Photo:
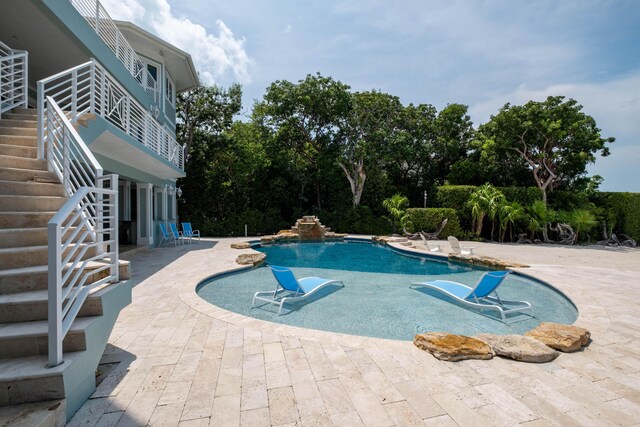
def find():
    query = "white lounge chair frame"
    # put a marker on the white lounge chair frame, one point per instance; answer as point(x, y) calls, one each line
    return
point(457, 249)
point(296, 295)
point(430, 248)
point(492, 303)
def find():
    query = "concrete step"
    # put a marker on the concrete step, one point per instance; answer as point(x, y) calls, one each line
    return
point(18, 151)
point(19, 123)
point(11, 203)
point(17, 174)
point(16, 237)
point(31, 338)
point(27, 379)
point(31, 256)
point(28, 111)
point(27, 141)
point(31, 188)
point(35, 278)
point(50, 413)
point(24, 131)
point(25, 219)
point(32, 306)
point(32, 115)
point(16, 280)
point(22, 163)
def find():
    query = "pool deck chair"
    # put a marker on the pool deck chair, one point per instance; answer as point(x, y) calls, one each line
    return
point(429, 248)
point(483, 295)
point(290, 288)
point(457, 249)
point(188, 232)
point(166, 236)
point(177, 236)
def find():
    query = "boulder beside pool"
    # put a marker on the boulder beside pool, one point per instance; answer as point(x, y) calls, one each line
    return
point(518, 347)
point(565, 338)
point(241, 245)
point(452, 348)
point(251, 259)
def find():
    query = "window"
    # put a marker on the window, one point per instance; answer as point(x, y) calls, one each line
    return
point(169, 89)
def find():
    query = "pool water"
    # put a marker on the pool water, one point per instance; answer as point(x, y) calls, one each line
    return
point(376, 300)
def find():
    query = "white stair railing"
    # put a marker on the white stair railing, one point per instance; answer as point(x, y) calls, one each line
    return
point(83, 234)
point(96, 15)
point(89, 88)
point(14, 80)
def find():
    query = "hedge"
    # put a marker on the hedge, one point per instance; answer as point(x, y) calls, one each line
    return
point(624, 209)
point(429, 220)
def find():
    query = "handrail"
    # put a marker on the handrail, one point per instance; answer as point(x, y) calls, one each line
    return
point(14, 78)
point(83, 234)
point(98, 18)
point(89, 88)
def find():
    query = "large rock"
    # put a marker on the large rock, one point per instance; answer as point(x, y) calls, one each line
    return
point(241, 245)
point(486, 261)
point(251, 259)
point(565, 338)
point(451, 347)
point(519, 347)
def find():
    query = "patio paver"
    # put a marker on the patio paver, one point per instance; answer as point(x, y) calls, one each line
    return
point(183, 361)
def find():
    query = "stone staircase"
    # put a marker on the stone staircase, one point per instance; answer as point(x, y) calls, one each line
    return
point(29, 197)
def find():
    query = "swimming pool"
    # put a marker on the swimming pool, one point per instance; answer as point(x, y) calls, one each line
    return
point(376, 300)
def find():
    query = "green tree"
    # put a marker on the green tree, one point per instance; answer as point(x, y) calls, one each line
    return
point(370, 125)
point(582, 220)
point(484, 202)
point(508, 215)
point(396, 206)
point(553, 138)
point(206, 109)
point(306, 117)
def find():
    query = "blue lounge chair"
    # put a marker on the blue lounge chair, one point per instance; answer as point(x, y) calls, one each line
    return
point(291, 288)
point(177, 236)
point(480, 296)
point(188, 232)
point(166, 236)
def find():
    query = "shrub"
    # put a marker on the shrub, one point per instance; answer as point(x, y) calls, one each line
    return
point(429, 220)
point(624, 210)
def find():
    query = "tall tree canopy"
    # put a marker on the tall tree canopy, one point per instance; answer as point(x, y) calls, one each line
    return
point(554, 139)
point(369, 127)
point(206, 109)
point(306, 117)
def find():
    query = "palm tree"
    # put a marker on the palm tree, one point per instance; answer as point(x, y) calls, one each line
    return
point(508, 214)
point(396, 205)
point(539, 217)
point(484, 202)
point(582, 220)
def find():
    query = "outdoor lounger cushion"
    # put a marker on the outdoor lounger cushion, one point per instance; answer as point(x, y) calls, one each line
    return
point(483, 295)
point(291, 288)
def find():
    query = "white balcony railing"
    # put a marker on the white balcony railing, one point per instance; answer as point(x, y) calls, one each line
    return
point(89, 88)
point(13, 78)
point(83, 234)
point(96, 15)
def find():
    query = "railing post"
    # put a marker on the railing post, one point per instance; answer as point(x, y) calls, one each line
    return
point(66, 182)
point(92, 87)
point(115, 267)
point(25, 81)
point(41, 123)
point(74, 95)
point(55, 295)
point(97, 26)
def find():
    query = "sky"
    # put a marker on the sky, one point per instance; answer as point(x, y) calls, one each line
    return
point(480, 53)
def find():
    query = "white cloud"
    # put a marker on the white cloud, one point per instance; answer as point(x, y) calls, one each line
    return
point(214, 55)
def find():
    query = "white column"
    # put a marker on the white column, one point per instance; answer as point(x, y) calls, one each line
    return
point(145, 213)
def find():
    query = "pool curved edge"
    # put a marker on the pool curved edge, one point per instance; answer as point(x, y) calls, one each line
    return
point(591, 314)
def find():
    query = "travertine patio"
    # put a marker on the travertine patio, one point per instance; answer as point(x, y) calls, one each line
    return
point(183, 361)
